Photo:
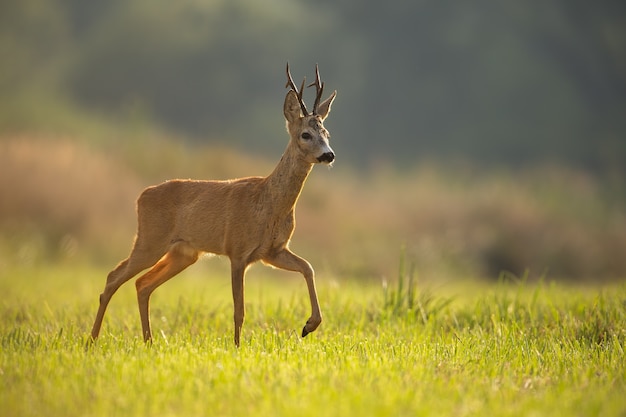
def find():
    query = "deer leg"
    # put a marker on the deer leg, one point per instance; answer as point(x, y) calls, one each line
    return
point(238, 271)
point(174, 261)
point(289, 261)
point(125, 270)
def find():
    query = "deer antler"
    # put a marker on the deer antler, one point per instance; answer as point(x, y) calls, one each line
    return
point(319, 86)
point(291, 84)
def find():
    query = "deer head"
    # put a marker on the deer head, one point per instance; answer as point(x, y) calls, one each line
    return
point(307, 129)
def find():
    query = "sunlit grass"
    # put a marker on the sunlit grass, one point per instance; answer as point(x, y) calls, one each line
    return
point(473, 349)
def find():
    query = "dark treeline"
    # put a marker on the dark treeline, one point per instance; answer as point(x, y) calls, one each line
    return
point(495, 82)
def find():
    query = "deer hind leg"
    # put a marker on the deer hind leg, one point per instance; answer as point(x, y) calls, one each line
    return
point(289, 261)
point(138, 260)
point(179, 257)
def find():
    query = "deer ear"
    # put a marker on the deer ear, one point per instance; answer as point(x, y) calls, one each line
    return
point(324, 107)
point(291, 108)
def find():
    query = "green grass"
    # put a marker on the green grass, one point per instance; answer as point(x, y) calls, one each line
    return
point(463, 349)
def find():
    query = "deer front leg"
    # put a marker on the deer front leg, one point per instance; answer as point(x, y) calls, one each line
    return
point(289, 261)
point(237, 276)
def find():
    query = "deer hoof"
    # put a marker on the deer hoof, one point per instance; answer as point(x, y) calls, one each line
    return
point(304, 331)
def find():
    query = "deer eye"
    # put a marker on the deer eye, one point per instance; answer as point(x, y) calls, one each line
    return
point(306, 136)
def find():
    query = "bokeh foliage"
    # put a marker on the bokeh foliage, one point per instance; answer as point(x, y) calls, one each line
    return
point(503, 83)
point(486, 137)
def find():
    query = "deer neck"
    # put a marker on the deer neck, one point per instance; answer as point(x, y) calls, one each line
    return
point(285, 183)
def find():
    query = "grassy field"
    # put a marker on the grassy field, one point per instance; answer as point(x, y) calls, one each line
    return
point(444, 349)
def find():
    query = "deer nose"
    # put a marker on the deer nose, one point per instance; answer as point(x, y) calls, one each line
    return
point(327, 157)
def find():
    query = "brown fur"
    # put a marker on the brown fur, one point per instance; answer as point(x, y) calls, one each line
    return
point(249, 219)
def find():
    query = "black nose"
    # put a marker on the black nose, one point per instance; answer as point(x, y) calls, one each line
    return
point(327, 157)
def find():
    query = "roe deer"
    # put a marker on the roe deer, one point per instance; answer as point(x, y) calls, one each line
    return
point(247, 219)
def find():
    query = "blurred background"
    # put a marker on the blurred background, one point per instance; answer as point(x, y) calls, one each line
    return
point(483, 137)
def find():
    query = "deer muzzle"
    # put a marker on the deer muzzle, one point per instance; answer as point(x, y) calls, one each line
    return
point(327, 157)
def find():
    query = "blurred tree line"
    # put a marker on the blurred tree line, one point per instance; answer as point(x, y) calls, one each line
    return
point(505, 83)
